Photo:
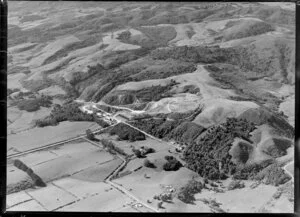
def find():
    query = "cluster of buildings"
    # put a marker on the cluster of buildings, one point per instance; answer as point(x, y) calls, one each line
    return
point(105, 116)
point(178, 147)
point(167, 194)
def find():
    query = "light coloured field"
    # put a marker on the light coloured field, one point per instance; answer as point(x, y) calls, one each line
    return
point(23, 120)
point(82, 189)
point(71, 164)
point(181, 207)
point(13, 81)
point(52, 91)
point(36, 158)
point(13, 113)
point(282, 205)
point(286, 90)
point(15, 175)
point(217, 110)
point(38, 137)
point(282, 201)
point(28, 206)
point(76, 147)
point(52, 197)
point(17, 198)
point(105, 201)
point(245, 200)
point(98, 172)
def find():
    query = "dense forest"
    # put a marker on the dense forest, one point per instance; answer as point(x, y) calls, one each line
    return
point(69, 111)
point(125, 132)
point(31, 105)
point(205, 154)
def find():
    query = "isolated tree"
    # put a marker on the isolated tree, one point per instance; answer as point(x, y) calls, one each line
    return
point(172, 164)
point(90, 135)
point(148, 164)
point(186, 196)
point(166, 197)
point(138, 153)
point(159, 205)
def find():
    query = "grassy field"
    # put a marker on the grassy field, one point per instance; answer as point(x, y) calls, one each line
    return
point(74, 173)
point(58, 162)
point(241, 200)
point(38, 137)
point(23, 120)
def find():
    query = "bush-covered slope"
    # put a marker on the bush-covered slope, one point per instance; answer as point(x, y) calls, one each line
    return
point(209, 155)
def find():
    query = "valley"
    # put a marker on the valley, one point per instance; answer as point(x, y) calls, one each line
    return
point(151, 107)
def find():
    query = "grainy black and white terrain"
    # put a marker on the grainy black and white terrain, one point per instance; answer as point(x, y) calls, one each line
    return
point(150, 107)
